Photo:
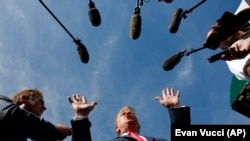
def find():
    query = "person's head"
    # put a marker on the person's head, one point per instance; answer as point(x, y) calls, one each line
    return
point(30, 100)
point(126, 120)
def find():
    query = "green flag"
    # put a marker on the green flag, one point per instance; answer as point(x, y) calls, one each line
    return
point(236, 87)
point(240, 96)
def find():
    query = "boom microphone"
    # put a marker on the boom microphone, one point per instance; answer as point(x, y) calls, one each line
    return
point(82, 51)
point(176, 20)
point(135, 25)
point(94, 15)
point(171, 62)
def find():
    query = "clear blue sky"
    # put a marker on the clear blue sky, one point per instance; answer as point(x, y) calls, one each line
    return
point(36, 52)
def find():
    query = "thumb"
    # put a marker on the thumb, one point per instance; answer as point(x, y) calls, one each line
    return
point(93, 104)
point(158, 98)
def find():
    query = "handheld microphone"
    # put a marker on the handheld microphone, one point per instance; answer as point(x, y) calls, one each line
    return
point(94, 15)
point(176, 20)
point(224, 30)
point(82, 51)
point(217, 56)
point(135, 25)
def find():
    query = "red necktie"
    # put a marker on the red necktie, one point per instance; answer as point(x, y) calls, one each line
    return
point(136, 136)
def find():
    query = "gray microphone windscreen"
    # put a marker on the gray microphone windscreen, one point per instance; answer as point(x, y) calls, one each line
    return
point(171, 62)
point(135, 26)
point(94, 16)
point(176, 20)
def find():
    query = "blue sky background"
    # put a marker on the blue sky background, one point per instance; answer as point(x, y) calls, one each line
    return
point(35, 52)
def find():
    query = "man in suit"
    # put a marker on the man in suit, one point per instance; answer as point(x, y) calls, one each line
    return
point(22, 120)
point(127, 124)
point(17, 124)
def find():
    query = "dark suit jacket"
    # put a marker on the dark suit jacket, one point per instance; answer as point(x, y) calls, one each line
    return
point(17, 125)
point(81, 130)
point(178, 116)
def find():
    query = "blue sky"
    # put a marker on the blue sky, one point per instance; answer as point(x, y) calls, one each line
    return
point(36, 52)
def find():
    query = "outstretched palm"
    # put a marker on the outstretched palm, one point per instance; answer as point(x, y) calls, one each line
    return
point(169, 99)
point(80, 105)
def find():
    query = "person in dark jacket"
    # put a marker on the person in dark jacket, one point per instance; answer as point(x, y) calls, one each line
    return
point(127, 123)
point(20, 119)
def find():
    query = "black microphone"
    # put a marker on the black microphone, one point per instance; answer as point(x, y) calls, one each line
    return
point(94, 15)
point(82, 51)
point(171, 62)
point(217, 56)
point(176, 20)
point(227, 27)
point(135, 24)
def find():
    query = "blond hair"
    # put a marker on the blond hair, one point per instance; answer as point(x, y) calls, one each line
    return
point(27, 92)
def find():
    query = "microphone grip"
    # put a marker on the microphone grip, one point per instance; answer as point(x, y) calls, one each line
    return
point(217, 56)
point(176, 20)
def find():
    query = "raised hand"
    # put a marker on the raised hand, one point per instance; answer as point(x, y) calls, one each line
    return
point(80, 105)
point(169, 99)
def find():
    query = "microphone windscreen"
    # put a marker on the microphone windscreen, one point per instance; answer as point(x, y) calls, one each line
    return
point(171, 62)
point(135, 26)
point(217, 56)
point(176, 20)
point(94, 16)
point(83, 53)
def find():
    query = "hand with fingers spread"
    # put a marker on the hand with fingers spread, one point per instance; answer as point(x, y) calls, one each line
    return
point(169, 99)
point(80, 105)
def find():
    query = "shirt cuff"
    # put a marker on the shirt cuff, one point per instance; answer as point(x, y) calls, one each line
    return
point(79, 117)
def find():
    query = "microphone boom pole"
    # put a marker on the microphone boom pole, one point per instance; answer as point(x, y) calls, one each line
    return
point(53, 15)
point(83, 53)
point(194, 50)
point(191, 9)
